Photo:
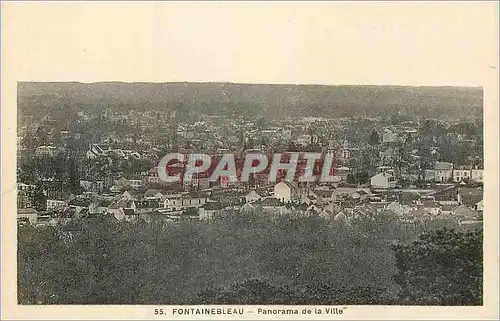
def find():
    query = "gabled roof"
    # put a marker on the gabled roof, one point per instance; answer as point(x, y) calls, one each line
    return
point(324, 194)
point(82, 202)
point(27, 211)
point(270, 202)
point(151, 192)
point(340, 217)
point(247, 207)
point(470, 196)
point(443, 166)
point(287, 183)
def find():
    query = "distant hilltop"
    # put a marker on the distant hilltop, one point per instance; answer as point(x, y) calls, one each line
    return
point(266, 100)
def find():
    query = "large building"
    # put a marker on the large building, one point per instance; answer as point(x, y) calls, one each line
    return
point(442, 172)
point(383, 181)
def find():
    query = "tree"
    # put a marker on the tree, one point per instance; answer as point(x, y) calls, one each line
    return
point(39, 199)
point(374, 138)
point(73, 177)
point(442, 267)
point(261, 122)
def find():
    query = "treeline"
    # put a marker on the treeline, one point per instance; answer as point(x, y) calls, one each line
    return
point(260, 99)
point(248, 259)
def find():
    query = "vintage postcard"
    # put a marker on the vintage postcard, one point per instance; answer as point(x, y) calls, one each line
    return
point(249, 160)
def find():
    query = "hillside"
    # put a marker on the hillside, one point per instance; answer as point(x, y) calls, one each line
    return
point(255, 99)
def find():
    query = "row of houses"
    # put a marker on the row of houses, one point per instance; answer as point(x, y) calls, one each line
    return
point(442, 172)
point(406, 206)
point(284, 197)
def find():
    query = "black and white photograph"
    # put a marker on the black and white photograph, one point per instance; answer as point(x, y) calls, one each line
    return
point(266, 160)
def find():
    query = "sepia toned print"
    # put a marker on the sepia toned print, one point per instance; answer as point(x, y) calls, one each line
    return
point(302, 160)
point(399, 221)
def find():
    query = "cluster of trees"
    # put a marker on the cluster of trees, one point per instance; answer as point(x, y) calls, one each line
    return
point(244, 259)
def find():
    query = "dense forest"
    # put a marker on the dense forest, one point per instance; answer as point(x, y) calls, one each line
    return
point(249, 258)
point(270, 101)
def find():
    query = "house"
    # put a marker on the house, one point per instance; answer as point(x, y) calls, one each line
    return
point(50, 151)
point(198, 182)
point(95, 151)
point(326, 214)
point(129, 215)
point(325, 196)
point(469, 196)
point(389, 136)
point(479, 206)
point(252, 196)
point(363, 194)
point(130, 195)
point(208, 210)
point(103, 206)
point(342, 172)
point(115, 209)
point(272, 205)
point(152, 177)
point(24, 199)
point(444, 171)
point(285, 191)
point(145, 206)
point(52, 204)
point(461, 173)
point(383, 181)
point(135, 183)
point(153, 194)
point(122, 183)
point(25, 187)
point(79, 204)
point(28, 215)
point(446, 195)
point(46, 220)
point(313, 210)
point(307, 199)
point(24, 195)
point(127, 204)
point(179, 202)
point(92, 186)
point(477, 175)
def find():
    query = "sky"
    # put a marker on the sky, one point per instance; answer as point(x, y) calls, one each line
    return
point(406, 43)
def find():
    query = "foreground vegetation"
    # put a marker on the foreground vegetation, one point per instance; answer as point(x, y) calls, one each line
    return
point(248, 259)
